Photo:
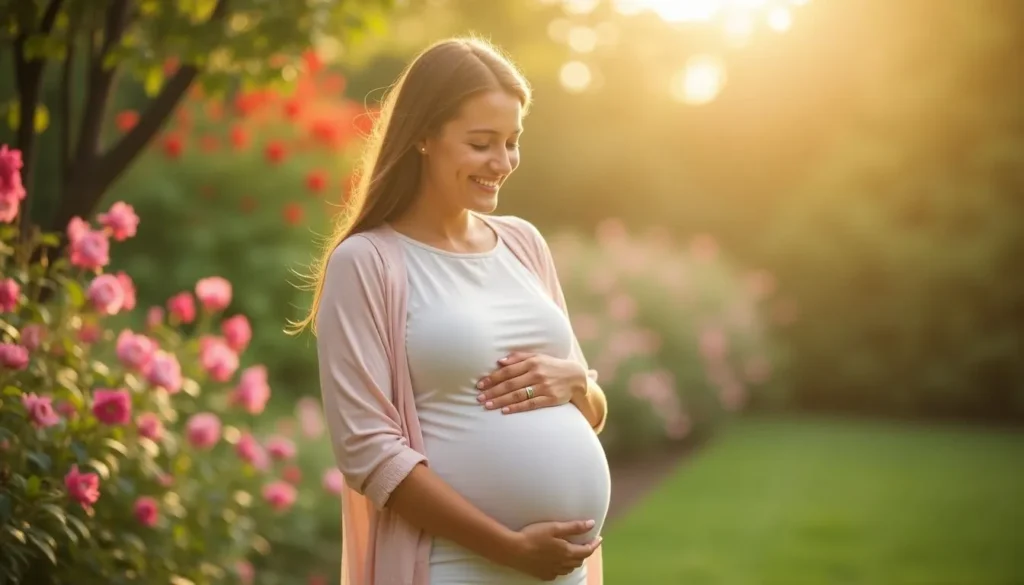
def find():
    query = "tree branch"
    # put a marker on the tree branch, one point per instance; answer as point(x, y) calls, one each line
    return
point(29, 77)
point(66, 78)
point(93, 178)
point(100, 82)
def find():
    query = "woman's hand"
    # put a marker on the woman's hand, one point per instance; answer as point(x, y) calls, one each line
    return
point(525, 381)
point(542, 550)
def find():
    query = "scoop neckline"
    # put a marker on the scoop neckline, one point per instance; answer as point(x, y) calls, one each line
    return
point(434, 249)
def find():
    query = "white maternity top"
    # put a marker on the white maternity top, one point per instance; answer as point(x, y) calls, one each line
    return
point(466, 311)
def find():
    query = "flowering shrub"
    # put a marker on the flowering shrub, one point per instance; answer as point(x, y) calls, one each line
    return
point(679, 337)
point(253, 179)
point(129, 455)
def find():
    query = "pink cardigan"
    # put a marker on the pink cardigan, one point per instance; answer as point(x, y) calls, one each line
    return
point(368, 398)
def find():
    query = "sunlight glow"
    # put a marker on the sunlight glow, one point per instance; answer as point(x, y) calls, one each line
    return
point(580, 6)
point(738, 29)
point(700, 81)
point(686, 10)
point(558, 29)
point(575, 76)
point(780, 19)
point(582, 39)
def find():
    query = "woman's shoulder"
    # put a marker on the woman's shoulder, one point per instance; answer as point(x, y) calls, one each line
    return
point(518, 224)
point(356, 252)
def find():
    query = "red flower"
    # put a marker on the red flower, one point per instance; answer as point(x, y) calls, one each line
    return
point(292, 213)
point(316, 181)
point(313, 62)
point(292, 109)
point(170, 65)
point(275, 151)
point(215, 110)
point(239, 137)
point(173, 145)
point(126, 120)
point(209, 143)
point(292, 474)
point(334, 84)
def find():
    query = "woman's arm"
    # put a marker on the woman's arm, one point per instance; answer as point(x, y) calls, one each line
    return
point(426, 501)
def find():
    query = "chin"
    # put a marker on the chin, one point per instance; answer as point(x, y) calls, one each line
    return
point(484, 205)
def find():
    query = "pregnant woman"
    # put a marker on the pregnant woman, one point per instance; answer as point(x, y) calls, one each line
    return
point(461, 410)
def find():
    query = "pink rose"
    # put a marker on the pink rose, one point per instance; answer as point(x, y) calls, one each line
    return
point(214, 293)
point(32, 336)
point(252, 391)
point(105, 294)
point(154, 317)
point(292, 474)
point(333, 481)
point(40, 410)
point(112, 407)
point(77, 228)
point(146, 511)
point(237, 332)
point(203, 430)
point(120, 220)
point(90, 332)
point(11, 189)
point(10, 292)
point(13, 356)
point(219, 360)
point(83, 488)
point(280, 448)
point(713, 343)
point(134, 350)
point(128, 286)
point(66, 409)
point(182, 307)
point(279, 494)
point(250, 451)
point(245, 572)
point(90, 249)
point(149, 426)
point(163, 370)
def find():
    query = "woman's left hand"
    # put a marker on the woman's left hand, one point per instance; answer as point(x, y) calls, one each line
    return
point(526, 381)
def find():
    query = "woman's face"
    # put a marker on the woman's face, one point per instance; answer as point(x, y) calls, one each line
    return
point(466, 164)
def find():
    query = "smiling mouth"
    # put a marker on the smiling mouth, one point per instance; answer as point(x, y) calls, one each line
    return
point(489, 183)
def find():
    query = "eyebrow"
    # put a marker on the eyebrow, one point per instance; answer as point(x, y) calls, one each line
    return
point(491, 131)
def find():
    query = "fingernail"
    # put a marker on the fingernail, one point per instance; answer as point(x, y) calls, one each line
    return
point(505, 410)
point(489, 404)
point(590, 523)
point(503, 360)
point(481, 383)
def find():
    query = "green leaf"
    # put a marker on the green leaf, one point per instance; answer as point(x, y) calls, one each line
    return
point(12, 391)
point(101, 468)
point(74, 290)
point(153, 81)
point(45, 543)
point(116, 446)
point(5, 508)
point(81, 453)
point(32, 486)
point(50, 239)
point(79, 526)
point(41, 460)
point(42, 119)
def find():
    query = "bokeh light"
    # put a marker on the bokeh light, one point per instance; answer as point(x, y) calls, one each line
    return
point(700, 81)
point(780, 19)
point(582, 39)
point(576, 76)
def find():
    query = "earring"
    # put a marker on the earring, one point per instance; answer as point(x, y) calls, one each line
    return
point(423, 149)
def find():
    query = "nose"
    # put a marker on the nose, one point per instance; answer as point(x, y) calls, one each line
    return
point(502, 164)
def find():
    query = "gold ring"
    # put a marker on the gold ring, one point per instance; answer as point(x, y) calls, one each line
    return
point(529, 392)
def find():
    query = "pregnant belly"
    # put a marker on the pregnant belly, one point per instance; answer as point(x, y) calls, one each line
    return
point(523, 468)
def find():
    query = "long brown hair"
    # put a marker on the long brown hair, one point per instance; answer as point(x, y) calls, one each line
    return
point(427, 94)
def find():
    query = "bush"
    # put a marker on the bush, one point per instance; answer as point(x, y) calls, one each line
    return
point(133, 455)
point(679, 338)
point(250, 181)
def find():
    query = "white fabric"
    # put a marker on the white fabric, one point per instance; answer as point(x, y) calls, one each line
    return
point(465, 311)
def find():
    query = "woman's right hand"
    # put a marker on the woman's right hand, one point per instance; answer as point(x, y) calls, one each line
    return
point(542, 549)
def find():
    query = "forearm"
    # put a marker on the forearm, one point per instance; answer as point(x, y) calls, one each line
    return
point(593, 404)
point(424, 500)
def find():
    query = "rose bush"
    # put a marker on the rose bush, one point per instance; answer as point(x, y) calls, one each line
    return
point(681, 338)
point(131, 455)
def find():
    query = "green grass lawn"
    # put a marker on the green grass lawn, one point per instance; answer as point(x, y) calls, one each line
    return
point(801, 501)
